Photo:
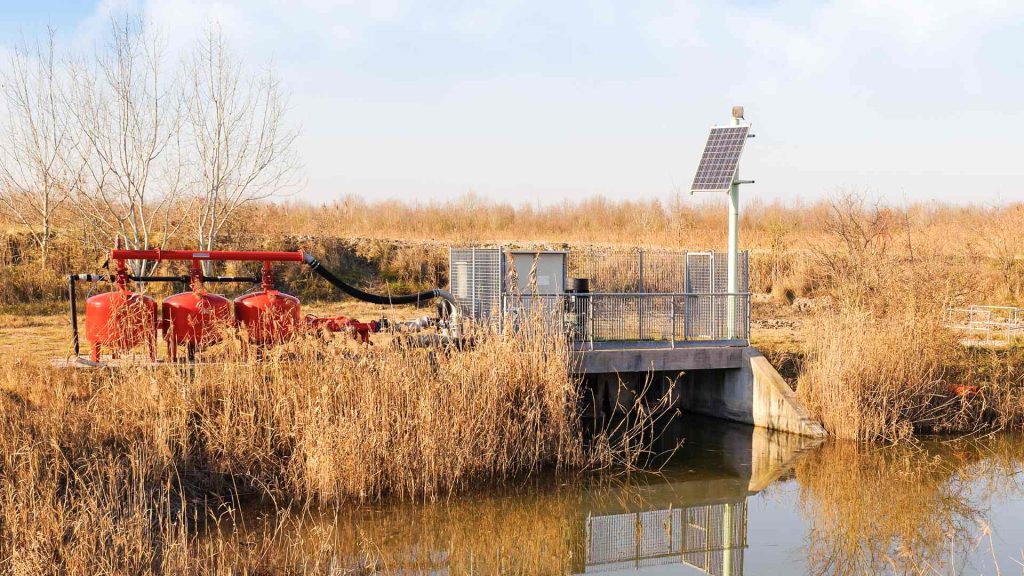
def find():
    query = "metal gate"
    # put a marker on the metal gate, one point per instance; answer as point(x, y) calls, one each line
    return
point(707, 302)
point(475, 276)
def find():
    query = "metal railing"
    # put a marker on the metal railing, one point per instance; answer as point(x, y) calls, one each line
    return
point(991, 324)
point(600, 319)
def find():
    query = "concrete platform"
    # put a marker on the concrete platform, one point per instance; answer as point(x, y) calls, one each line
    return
point(642, 357)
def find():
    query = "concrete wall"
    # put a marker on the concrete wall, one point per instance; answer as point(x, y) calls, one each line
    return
point(754, 394)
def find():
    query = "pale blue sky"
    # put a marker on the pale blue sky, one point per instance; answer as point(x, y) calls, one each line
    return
point(540, 101)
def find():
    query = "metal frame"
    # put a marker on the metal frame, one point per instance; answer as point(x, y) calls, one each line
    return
point(996, 324)
point(735, 123)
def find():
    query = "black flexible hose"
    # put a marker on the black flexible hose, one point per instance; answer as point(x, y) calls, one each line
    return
point(354, 292)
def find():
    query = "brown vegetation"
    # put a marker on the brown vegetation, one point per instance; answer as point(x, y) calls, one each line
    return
point(869, 283)
point(786, 242)
point(880, 364)
point(113, 471)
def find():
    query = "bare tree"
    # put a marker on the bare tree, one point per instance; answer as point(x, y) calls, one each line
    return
point(34, 142)
point(129, 129)
point(243, 150)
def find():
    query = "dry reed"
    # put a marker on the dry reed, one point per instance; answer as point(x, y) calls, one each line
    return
point(101, 469)
point(879, 362)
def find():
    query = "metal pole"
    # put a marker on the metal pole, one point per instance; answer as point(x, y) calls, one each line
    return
point(734, 216)
point(590, 319)
point(686, 299)
point(501, 289)
point(734, 243)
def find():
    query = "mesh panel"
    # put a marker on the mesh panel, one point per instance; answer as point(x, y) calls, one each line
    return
point(608, 270)
point(707, 315)
point(630, 270)
point(475, 276)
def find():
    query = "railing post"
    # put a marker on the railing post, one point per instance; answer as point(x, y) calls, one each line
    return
point(686, 315)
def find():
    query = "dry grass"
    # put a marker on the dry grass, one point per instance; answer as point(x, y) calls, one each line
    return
point(101, 470)
point(405, 243)
point(879, 362)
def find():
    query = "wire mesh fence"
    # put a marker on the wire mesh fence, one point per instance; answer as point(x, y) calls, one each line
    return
point(660, 271)
point(598, 318)
point(636, 295)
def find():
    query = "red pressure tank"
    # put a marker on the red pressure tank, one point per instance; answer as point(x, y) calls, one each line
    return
point(194, 319)
point(269, 316)
point(120, 320)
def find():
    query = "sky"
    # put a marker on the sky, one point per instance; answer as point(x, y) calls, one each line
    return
point(521, 101)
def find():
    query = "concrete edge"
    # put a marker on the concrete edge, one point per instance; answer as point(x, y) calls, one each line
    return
point(776, 406)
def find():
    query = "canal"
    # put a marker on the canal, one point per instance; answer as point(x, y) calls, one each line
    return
point(731, 500)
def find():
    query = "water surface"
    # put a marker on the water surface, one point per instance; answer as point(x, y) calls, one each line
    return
point(733, 500)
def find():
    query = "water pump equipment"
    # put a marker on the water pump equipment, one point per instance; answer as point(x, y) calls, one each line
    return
point(123, 319)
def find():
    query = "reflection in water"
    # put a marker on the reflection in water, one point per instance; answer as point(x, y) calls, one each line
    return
point(710, 538)
point(693, 513)
point(836, 508)
point(916, 509)
point(696, 512)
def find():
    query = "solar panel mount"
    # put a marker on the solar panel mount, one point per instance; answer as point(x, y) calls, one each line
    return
point(718, 165)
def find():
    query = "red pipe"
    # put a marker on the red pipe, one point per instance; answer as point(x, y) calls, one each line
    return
point(158, 254)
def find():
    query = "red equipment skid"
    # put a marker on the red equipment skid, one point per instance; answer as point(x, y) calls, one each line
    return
point(191, 318)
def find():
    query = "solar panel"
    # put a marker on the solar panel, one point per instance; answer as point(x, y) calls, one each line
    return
point(717, 167)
